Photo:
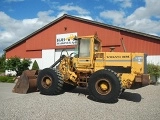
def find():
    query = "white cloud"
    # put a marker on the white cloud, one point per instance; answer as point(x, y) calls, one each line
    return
point(144, 25)
point(7, 36)
point(98, 19)
point(52, 4)
point(61, 13)
point(85, 17)
point(68, 7)
point(116, 16)
point(142, 19)
point(71, 7)
point(12, 30)
point(152, 7)
point(149, 10)
point(124, 3)
point(45, 16)
point(99, 7)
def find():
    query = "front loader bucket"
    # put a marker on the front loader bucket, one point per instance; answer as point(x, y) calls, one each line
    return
point(27, 82)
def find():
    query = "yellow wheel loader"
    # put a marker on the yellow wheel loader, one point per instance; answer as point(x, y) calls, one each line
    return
point(105, 74)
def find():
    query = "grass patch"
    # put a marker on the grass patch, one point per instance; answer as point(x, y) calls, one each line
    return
point(2, 70)
point(7, 79)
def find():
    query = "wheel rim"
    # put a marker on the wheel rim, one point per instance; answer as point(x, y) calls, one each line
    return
point(46, 82)
point(103, 86)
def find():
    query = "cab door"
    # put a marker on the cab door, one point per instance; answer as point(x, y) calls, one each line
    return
point(85, 58)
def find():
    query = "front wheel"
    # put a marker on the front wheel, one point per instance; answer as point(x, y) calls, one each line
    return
point(49, 82)
point(104, 85)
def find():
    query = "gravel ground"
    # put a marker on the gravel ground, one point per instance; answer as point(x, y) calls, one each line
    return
point(139, 104)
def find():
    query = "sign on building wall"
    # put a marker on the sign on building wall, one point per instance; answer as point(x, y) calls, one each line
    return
point(65, 39)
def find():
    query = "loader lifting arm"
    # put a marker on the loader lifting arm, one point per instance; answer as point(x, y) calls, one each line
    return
point(61, 58)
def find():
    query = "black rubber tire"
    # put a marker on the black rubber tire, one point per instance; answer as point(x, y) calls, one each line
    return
point(67, 87)
point(56, 85)
point(112, 78)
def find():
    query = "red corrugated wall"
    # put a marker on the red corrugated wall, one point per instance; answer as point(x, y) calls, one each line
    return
point(32, 47)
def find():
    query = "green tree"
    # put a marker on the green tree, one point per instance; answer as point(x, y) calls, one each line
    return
point(35, 66)
point(18, 65)
point(2, 60)
point(154, 70)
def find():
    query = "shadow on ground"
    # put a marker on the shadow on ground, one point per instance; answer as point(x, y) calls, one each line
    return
point(80, 91)
point(134, 97)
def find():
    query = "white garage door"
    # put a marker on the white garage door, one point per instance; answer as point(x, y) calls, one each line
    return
point(58, 53)
point(48, 56)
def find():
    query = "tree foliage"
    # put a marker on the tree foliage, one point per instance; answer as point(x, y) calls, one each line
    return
point(35, 66)
point(154, 70)
point(2, 60)
point(18, 65)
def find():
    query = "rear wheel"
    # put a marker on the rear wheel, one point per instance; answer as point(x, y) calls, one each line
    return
point(49, 82)
point(104, 85)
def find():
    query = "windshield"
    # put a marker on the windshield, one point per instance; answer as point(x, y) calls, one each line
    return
point(84, 47)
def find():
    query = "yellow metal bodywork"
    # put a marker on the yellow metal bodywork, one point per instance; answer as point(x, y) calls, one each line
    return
point(132, 63)
point(66, 70)
point(48, 81)
point(120, 59)
point(103, 86)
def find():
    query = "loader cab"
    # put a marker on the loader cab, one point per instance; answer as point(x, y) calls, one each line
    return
point(86, 47)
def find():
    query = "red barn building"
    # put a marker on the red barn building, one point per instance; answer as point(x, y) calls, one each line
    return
point(42, 45)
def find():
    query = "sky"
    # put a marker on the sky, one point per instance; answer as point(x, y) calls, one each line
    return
point(19, 18)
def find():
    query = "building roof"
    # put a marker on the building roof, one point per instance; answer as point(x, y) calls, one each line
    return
point(84, 20)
